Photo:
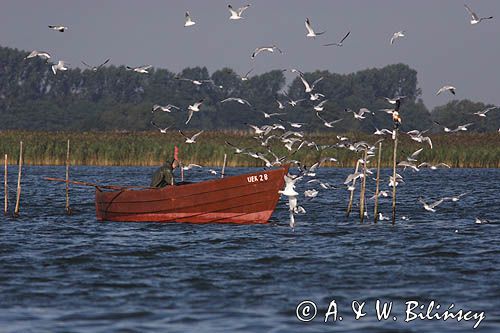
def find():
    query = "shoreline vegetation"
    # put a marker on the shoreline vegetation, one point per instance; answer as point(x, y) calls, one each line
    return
point(459, 150)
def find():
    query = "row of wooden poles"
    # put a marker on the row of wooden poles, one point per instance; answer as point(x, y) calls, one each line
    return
point(363, 185)
point(19, 175)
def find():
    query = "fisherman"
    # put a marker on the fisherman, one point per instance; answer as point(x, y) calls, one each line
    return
point(164, 176)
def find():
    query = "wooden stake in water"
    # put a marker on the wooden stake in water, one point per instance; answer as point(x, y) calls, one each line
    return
point(394, 181)
point(68, 209)
point(223, 166)
point(351, 197)
point(375, 209)
point(363, 189)
point(6, 189)
point(18, 196)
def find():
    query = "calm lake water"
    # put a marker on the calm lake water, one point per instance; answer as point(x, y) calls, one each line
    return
point(74, 274)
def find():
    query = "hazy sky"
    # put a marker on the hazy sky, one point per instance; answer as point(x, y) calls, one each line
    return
point(440, 43)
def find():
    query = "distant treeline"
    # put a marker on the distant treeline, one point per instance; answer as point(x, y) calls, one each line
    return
point(147, 149)
point(112, 98)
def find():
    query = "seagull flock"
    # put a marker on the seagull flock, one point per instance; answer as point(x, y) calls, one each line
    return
point(288, 133)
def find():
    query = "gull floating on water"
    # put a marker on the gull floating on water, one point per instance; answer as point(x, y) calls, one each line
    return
point(311, 193)
point(236, 14)
point(271, 49)
point(193, 108)
point(382, 217)
point(476, 19)
point(188, 21)
point(59, 67)
point(481, 221)
point(190, 139)
point(341, 41)
point(446, 88)
point(96, 68)
point(59, 28)
point(310, 31)
point(397, 35)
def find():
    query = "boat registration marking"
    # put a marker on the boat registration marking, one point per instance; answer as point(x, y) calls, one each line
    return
point(259, 178)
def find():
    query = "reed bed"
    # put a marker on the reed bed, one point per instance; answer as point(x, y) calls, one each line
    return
point(463, 150)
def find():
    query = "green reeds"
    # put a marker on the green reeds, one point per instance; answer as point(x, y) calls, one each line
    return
point(150, 148)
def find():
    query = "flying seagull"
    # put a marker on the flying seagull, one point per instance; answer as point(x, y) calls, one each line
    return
point(315, 96)
point(433, 167)
point(360, 114)
point(96, 68)
point(195, 82)
point(341, 41)
point(166, 108)
point(431, 207)
point(245, 77)
point(476, 19)
point(41, 54)
point(161, 129)
point(59, 28)
point(290, 192)
point(397, 35)
point(190, 166)
point(193, 108)
point(236, 14)
point(271, 49)
point(269, 115)
point(188, 21)
point(456, 197)
point(310, 31)
point(190, 139)
point(140, 69)
point(328, 123)
point(320, 106)
point(484, 112)
point(236, 149)
point(59, 67)
point(309, 87)
point(237, 99)
point(446, 88)
point(394, 100)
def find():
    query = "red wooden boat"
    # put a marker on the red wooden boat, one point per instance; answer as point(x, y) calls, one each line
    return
point(248, 199)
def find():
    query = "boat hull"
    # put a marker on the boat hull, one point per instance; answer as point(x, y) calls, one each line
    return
point(247, 199)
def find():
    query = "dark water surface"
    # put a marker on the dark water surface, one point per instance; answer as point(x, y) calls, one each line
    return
point(74, 274)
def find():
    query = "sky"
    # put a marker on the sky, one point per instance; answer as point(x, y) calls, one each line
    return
point(440, 42)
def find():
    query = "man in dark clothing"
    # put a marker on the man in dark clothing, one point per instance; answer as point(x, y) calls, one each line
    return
point(163, 176)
